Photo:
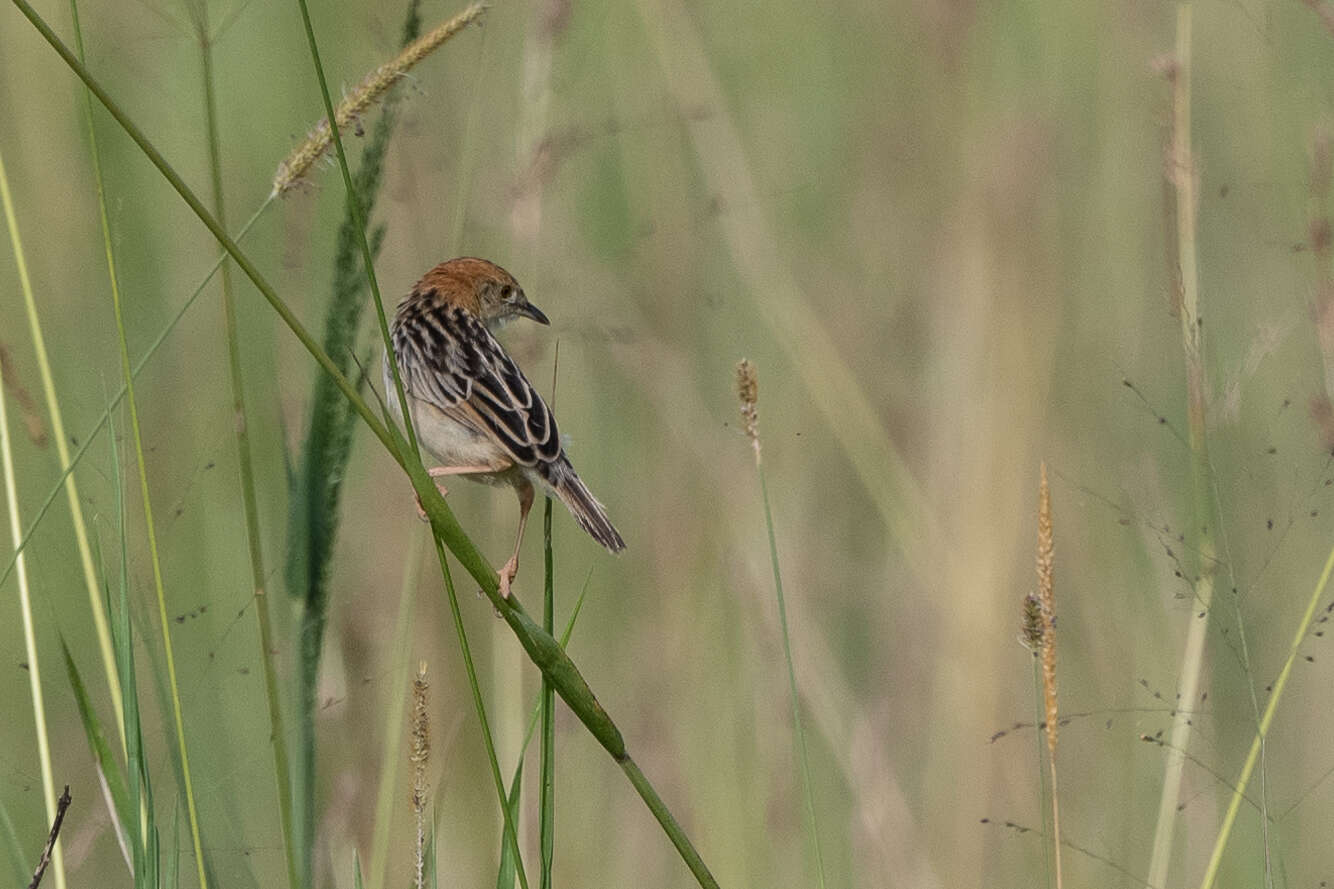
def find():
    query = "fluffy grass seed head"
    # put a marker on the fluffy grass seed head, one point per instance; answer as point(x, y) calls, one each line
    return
point(365, 94)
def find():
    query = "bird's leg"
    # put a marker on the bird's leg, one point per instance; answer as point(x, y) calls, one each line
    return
point(511, 568)
point(440, 472)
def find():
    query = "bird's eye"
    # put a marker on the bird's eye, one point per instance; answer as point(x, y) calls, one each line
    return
point(506, 293)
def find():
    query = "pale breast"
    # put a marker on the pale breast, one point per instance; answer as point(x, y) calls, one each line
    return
point(446, 440)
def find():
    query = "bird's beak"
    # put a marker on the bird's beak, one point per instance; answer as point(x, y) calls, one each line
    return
point(528, 310)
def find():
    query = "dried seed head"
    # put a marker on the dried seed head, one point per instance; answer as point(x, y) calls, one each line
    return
point(1047, 606)
point(748, 388)
point(419, 754)
point(1030, 629)
point(365, 94)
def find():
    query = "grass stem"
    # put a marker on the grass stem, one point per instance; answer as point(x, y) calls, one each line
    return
point(25, 595)
point(546, 811)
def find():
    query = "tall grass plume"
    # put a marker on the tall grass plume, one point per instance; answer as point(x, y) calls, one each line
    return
point(365, 94)
point(1046, 613)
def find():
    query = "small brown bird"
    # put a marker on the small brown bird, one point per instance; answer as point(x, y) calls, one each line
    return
point(474, 411)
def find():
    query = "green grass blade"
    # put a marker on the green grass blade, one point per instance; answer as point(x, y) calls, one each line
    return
point(507, 872)
point(173, 878)
point(140, 826)
point(12, 846)
point(107, 762)
point(546, 809)
point(535, 715)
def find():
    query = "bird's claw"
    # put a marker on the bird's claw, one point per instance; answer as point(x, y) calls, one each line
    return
point(506, 576)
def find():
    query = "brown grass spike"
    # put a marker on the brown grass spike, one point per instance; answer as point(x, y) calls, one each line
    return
point(1047, 602)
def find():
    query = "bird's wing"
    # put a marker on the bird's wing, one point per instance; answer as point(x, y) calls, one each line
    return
point(449, 359)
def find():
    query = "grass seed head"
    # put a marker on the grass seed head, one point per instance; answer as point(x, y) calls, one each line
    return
point(748, 389)
point(365, 94)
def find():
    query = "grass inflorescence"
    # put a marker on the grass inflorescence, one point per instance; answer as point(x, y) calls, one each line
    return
point(372, 88)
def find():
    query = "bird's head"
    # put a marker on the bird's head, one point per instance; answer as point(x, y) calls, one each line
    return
point(482, 288)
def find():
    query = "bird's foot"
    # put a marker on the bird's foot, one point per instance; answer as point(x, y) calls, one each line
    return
point(506, 576)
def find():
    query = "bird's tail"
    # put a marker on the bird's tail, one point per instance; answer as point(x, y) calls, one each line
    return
point(585, 508)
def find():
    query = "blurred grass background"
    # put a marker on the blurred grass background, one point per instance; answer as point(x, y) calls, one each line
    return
point(938, 229)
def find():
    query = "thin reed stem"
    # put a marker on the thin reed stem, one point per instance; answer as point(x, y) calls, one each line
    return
point(1182, 173)
point(241, 425)
point(25, 597)
point(542, 649)
point(546, 810)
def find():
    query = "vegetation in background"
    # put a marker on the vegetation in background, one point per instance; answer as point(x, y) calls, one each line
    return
point(938, 228)
point(316, 485)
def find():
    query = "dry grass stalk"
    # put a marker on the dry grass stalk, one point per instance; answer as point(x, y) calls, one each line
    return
point(420, 755)
point(748, 388)
point(1046, 601)
point(371, 89)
